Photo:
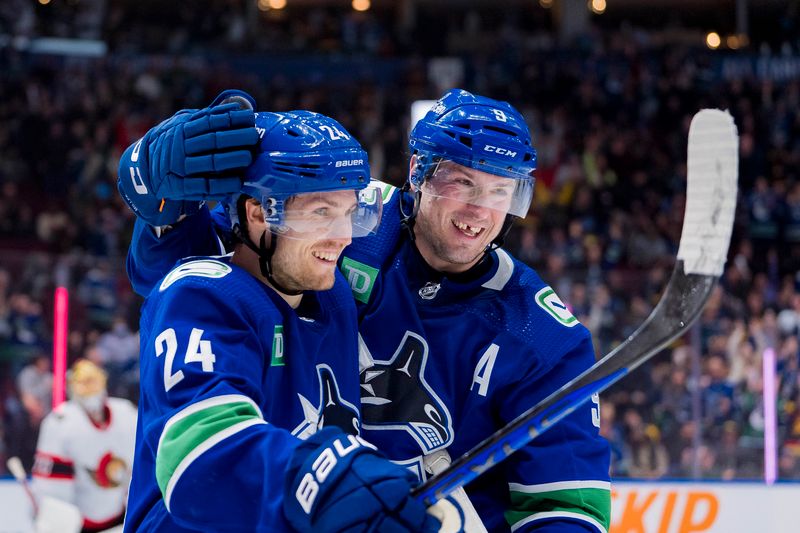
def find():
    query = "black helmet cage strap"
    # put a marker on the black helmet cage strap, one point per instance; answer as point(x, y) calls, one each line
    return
point(407, 219)
point(264, 254)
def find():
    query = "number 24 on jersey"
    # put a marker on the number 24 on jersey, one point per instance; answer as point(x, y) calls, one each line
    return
point(198, 351)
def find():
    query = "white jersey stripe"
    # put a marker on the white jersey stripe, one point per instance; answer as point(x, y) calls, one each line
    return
point(559, 514)
point(504, 271)
point(559, 485)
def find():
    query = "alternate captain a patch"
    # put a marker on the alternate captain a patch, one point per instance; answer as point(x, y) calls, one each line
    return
point(548, 300)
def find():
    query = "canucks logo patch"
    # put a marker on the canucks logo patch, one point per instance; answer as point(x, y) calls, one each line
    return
point(204, 268)
point(387, 191)
point(547, 299)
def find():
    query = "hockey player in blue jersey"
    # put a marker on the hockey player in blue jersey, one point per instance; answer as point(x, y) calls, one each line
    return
point(478, 337)
point(245, 357)
point(457, 336)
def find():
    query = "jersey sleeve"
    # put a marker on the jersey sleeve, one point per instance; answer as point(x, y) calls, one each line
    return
point(150, 257)
point(560, 480)
point(53, 468)
point(218, 464)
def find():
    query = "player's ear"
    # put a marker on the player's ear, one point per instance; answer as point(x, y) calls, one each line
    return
point(412, 167)
point(255, 214)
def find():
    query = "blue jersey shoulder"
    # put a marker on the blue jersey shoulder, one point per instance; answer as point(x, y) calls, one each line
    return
point(533, 312)
point(376, 249)
point(197, 284)
point(203, 270)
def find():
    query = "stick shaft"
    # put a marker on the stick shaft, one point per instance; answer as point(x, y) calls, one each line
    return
point(681, 304)
point(18, 471)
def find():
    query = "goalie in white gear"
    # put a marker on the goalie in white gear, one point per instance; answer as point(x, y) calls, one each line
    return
point(85, 449)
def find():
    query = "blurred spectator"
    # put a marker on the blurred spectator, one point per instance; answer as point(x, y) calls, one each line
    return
point(650, 460)
point(118, 352)
point(34, 384)
point(609, 128)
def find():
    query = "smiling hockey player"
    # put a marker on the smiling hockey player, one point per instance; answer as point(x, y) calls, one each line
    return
point(243, 356)
point(457, 336)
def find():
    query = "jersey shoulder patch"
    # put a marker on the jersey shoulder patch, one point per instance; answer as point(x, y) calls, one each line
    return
point(547, 299)
point(387, 190)
point(528, 282)
point(204, 268)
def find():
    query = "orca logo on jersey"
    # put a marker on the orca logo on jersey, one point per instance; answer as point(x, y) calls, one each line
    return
point(333, 410)
point(396, 397)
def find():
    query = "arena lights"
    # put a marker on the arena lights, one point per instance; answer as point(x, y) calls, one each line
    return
point(598, 7)
point(736, 41)
point(44, 2)
point(361, 5)
point(547, 4)
point(713, 40)
point(266, 5)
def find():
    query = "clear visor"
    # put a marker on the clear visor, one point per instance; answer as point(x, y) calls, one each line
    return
point(491, 187)
point(325, 215)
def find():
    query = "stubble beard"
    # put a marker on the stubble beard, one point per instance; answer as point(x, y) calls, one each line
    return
point(443, 250)
point(298, 274)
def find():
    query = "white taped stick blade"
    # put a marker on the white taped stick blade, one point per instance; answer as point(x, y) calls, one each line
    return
point(712, 176)
point(15, 467)
point(57, 516)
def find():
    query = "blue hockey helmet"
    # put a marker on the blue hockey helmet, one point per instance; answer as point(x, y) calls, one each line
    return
point(479, 133)
point(302, 153)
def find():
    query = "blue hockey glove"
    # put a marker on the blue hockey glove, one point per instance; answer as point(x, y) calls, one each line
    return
point(339, 482)
point(192, 156)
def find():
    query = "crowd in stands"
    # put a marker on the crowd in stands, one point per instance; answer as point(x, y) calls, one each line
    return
point(610, 129)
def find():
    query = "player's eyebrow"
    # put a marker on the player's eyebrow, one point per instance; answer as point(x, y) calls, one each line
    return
point(325, 199)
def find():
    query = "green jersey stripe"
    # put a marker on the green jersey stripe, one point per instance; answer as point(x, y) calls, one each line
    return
point(195, 429)
point(583, 500)
point(204, 404)
point(198, 451)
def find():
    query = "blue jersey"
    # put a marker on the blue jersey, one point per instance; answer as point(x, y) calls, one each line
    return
point(231, 378)
point(446, 362)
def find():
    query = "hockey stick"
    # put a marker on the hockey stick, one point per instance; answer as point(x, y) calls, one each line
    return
point(50, 514)
point(708, 222)
point(18, 471)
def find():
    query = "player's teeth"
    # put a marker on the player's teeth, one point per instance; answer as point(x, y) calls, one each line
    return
point(472, 230)
point(327, 256)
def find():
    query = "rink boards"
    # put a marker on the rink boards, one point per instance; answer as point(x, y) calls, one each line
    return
point(641, 507)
